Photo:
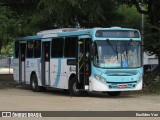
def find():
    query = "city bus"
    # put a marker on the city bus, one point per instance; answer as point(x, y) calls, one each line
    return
point(105, 60)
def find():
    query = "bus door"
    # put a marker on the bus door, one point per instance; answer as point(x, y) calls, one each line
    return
point(45, 63)
point(22, 58)
point(83, 67)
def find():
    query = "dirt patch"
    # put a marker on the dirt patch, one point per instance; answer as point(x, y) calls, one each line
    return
point(6, 77)
point(6, 81)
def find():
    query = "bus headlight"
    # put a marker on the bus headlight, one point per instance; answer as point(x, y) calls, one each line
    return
point(99, 78)
point(140, 78)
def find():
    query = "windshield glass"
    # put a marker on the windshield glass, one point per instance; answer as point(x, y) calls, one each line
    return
point(117, 54)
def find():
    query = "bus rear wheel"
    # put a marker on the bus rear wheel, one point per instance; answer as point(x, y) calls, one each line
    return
point(73, 91)
point(34, 83)
point(115, 93)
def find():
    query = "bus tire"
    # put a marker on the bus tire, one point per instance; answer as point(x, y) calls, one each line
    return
point(72, 87)
point(34, 83)
point(115, 93)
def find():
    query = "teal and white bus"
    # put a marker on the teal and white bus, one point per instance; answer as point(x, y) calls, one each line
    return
point(98, 59)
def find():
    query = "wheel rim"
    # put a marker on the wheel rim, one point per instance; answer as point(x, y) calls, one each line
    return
point(33, 84)
point(75, 89)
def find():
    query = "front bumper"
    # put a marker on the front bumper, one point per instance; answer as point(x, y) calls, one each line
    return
point(95, 85)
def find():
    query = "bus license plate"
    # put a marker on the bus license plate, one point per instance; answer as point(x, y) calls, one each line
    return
point(122, 86)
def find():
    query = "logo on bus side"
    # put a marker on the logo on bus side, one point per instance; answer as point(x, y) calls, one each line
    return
point(27, 64)
point(72, 69)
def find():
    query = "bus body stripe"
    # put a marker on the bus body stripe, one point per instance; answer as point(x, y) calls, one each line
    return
point(58, 73)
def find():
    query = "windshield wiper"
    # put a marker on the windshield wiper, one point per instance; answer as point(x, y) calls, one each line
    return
point(113, 47)
point(126, 52)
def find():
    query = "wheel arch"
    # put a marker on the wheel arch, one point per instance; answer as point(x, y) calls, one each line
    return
point(32, 73)
point(71, 77)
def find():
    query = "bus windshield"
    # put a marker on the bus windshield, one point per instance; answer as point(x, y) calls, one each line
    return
point(117, 54)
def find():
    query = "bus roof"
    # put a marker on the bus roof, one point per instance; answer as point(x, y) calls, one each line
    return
point(69, 32)
point(35, 37)
point(90, 31)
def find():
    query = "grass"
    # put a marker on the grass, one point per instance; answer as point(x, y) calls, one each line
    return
point(155, 87)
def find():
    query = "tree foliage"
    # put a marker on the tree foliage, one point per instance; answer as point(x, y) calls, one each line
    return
point(153, 8)
point(130, 17)
point(8, 25)
point(30, 16)
point(14, 20)
point(71, 13)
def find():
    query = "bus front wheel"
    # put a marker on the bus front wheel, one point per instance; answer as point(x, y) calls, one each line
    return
point(73, 91)
point(34, 83)
point(115, 93)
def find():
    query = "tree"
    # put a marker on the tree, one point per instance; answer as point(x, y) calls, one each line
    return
point(152, 45)
point(71, 13)
point(154, 12)
point(153, 9)
point(14, 20)
point(130, 17)
point(7, 25)
point(152, 35)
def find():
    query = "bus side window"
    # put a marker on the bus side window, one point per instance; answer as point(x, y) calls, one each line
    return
point(57, 48)
point(37, 49)
point(29, 49)
point(16, 50)
point(70, 47)
point(47, 51)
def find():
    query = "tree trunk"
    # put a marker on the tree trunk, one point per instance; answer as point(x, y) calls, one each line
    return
point(0, 45)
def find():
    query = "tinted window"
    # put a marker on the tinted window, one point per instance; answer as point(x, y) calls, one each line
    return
point(70, 47)
point(30, 49)
point(16, 49)
point(47, 51)
point(57, 47)
point(23, 51)
point(37, 49)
